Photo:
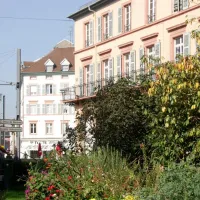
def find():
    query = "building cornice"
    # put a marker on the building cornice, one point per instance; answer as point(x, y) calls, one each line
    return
point(125, 44)
point(47, 73)
point(105, 52)
point(149, 36)
point(178, 26)
point(174, 15)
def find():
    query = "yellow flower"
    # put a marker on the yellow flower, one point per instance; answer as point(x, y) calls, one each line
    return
point(93, 199)
point(129, 197)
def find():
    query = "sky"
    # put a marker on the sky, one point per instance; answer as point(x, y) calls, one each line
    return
point(35, 38)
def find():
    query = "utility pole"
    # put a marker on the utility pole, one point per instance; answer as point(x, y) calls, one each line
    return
point(18, 88)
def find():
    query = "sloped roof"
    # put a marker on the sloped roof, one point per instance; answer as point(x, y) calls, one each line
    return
point(57, 55)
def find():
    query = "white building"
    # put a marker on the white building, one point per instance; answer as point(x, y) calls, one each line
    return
point(44, 116)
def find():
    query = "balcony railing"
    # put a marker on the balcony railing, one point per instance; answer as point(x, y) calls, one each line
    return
point(90, 89)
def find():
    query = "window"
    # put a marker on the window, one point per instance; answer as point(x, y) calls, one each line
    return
point(89, 34)
point(33, 109)
point(64, 127)
point(49, 77)
point(65, 68)
point(33, 90)
point(180, 5)
point(49, 128)
point(49, 109)
point(33, 128)
point(108, 69)
point(49, 89)
point(151, 54)
point(178, 47)
point(106, 74)
point(127, 63)
point(89, 80)
point(151, 15)
point(127, 18)
point(49, 68)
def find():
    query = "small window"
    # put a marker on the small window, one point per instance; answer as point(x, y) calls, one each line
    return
point(49, 89)
point(178, 47)
point(65, 68)
point(180, 5)
point(49, 68)
point(33, 90)
point(151, 15)
point(49, 77)
point(33, 128)
point(49, 128)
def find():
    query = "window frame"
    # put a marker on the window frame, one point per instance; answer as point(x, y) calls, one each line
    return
point(181, 46)
point(33, 94)
point(30, 109)
point(127, 16)
point(49, 91)
point(151, 12)
point(49, 128)
point(34, 128)
point(87, 34)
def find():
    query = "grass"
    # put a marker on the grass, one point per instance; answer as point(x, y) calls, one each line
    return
point(16, 193)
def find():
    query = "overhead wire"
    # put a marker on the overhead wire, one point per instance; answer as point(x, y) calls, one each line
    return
point(5, 60)
point(38, 19)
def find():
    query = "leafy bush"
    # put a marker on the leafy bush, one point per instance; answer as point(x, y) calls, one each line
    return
point(103, 174)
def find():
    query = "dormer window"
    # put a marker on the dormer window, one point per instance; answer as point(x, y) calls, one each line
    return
point(49, 65)
point(65, 64)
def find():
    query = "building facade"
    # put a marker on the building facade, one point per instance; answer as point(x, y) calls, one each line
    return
point(45, 117)
point(118, 33)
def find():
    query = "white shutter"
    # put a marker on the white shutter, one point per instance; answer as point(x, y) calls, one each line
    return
point(176, 5)
point(119, 68)
point(38, 109)
point(186, 43)
point(81, 81)
point(54, 90)
point(43, 89)
point(142, 70)
point(91, 32)
point(27, 109)
point(111, 68)
point(119, 20)
point(132, 65)
point(43, 109)
point(28, 90)
point(185, 4)
point(54, 109)
point(110, 24)
point(38, 90)
point(91, 78)
point(99, 32)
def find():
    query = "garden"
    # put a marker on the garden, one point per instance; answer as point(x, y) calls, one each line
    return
point(137, 140)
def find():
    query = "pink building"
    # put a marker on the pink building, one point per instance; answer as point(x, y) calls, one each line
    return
point(112, 35)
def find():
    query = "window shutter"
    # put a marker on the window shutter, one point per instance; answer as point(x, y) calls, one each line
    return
point(132, 64)
point(28, 90)
point(110, 24)
point(81, 81)
point(27, 109)
point(119, 69)
point(38, 90)
point(176, 5)
point(186, 43)
point(54, 109)
point(43, 90)
point(99, 22)
point(38, 109)
point(91, 78)
point(54, 89)
point(43, 109)
point(142, 70)
point(91, 32)
point(110, 68)
point(119, 20)
point(185, 4)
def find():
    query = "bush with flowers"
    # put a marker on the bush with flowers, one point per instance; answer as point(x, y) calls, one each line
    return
point(103, 174)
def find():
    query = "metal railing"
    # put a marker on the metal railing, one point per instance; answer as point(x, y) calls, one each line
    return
point(90, 89)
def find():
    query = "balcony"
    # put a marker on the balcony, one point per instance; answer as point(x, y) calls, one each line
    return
point(89, 90)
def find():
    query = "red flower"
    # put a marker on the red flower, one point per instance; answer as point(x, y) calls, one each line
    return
point(69, 178)
point(51, 187)
point(47, 198)
point(57, 191)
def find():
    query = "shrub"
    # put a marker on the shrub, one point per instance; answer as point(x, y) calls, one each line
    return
point(103, 174)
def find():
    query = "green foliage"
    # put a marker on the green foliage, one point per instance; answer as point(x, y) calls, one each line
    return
point(103, 174)
point(175, 121)
point(115, 117)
